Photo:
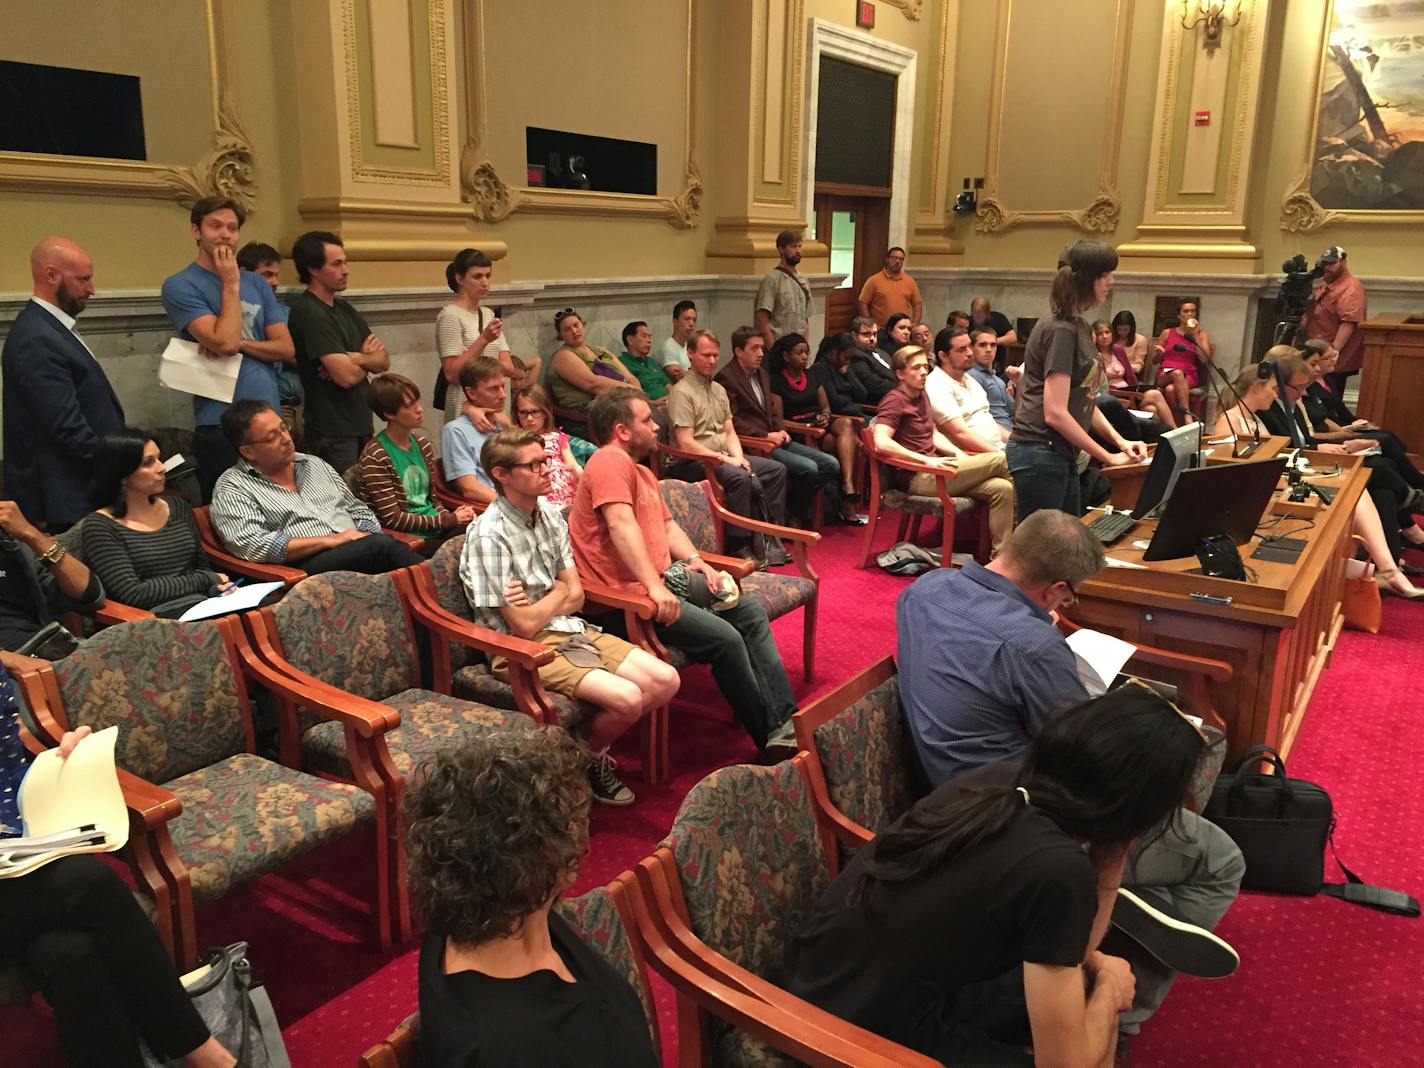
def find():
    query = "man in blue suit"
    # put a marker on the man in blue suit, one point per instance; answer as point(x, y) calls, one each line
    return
point(58, 404)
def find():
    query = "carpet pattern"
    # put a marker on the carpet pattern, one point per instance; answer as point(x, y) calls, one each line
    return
point(1321, 982)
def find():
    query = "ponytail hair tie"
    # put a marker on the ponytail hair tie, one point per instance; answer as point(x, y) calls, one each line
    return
point(1021, 790)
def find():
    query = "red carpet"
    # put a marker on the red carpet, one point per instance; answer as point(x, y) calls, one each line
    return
point(1321, 983)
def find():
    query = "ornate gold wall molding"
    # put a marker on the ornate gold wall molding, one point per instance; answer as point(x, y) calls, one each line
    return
point(1300, 211)
point(228, 168)
point(911, 9)
point(365, 170)
point(492, 200)
point(1101, 215)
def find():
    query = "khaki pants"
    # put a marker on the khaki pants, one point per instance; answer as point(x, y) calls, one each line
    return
point(982, 477)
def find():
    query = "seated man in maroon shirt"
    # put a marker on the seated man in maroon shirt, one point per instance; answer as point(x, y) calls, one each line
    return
point(904, 426)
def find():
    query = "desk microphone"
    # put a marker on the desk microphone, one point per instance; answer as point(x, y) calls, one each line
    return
point(1194, 349)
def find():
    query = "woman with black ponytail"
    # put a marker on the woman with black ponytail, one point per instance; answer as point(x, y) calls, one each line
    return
point(969, 929)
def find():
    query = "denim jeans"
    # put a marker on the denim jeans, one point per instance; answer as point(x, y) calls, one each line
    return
point(807, 470)
point(1043, 478)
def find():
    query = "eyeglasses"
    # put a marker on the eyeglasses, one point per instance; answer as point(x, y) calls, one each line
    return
point(559, 317)
point(532, 466)
point(1072, 595)
point(1133, 680)
point(526, 413)
point(277, 435)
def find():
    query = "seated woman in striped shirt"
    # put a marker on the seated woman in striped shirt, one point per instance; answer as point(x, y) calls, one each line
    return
point(393, 475)
point(143, 545)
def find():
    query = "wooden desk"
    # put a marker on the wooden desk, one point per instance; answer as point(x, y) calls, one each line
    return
point(1392, 381)
point(1126, 481)
point(1278, 632)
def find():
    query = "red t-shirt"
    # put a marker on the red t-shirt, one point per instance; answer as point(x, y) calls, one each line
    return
point(611, 477)
point(910, 421)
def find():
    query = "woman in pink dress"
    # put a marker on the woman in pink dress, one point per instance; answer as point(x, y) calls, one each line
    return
point(1180, 352)
point(534, 411)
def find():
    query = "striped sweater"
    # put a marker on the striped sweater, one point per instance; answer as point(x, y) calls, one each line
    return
point(145, 568)
point(379, 487)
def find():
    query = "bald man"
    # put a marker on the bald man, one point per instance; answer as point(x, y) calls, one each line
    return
point(57, 404)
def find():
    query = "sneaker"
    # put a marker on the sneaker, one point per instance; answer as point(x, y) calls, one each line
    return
point(1181, 946)
point(608, 789)
point(780, 744)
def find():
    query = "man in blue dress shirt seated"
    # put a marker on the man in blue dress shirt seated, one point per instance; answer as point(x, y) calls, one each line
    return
point(982, 667)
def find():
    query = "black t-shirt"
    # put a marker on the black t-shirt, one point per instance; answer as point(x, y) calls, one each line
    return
point(319, 330)
point(999, 323)
point(1056, 346)
point(895, 963)
point(796, 403)
point(472, 1020)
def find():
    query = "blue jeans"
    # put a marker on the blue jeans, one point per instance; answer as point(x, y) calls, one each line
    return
point(1043, 478)
point(807, 470)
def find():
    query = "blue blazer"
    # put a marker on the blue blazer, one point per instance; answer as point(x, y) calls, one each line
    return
point(58, 403)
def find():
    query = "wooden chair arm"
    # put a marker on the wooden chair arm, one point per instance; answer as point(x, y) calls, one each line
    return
point(229, 564)
point(411, 541)
point(739, 567)
point(904, 463)
point(710, 463)
point(112, 612)
point(1215, 670)
point(286, 681)
point(804, 430)
point(517, 650)
point(642, 607)
point(792, 534)
point(760, 446)
point(150, 806)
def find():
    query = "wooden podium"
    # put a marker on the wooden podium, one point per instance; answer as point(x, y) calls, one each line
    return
point(1392, 381)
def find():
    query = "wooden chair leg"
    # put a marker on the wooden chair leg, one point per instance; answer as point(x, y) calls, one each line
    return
point(808, 638)
point(914, 529)
point(900, 531)
point(868, 541)
point(381, 913)
point(655, 736)
point(946, 544)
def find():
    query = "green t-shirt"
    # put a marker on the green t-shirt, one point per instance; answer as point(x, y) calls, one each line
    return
point(319, 330)
point(411, 470)
point(647, 371)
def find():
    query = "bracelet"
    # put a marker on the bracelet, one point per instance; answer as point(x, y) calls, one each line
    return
point(51, 557)
point(694, 556)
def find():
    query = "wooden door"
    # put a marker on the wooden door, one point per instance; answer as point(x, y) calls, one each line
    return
point(855, 223)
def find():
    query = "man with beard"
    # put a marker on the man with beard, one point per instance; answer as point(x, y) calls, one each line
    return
point(624, 537)
point(783, 300)
point(228, 312)
point(58, 404)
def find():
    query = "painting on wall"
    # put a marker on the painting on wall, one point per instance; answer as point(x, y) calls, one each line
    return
point(1369, 132)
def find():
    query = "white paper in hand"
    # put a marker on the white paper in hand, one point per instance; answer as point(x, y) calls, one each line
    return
point(239, 600)
point(185, 369)
point(59, 794)
point(1100, 658)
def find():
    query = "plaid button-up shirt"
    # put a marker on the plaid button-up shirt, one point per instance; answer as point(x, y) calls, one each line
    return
point(507, 545)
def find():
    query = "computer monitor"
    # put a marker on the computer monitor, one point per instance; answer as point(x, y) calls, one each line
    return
point(1023, 326)
point(1221, 499)
point(1176, 452)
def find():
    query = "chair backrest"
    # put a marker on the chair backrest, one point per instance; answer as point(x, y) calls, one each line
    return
point(863, 750)
point(687, 501)
point(350, 631)
point(398, 1050)
point(450, 592)
point(750, 859)
point(604, 926)
point(172, 689)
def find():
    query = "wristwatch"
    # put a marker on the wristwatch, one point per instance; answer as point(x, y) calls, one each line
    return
point(54, 554)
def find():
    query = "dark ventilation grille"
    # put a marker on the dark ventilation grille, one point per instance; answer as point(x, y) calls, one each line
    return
point(70, 112)
point(855, 124)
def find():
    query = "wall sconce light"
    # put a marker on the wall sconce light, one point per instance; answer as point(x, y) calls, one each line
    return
point(1214, 14)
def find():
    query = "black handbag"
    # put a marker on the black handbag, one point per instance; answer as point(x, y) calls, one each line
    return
point(1282, 826)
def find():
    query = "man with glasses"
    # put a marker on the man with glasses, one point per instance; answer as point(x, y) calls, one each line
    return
point(982, 667)
point(868, 365)
point(280, 506)
point(518, 571)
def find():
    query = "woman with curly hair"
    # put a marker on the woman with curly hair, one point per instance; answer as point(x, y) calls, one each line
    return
point(495, 831)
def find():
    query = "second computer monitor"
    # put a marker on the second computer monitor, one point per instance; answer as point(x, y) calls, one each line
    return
point(1176, 451)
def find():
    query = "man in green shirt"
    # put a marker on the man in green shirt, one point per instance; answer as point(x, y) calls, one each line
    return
point(638, 359)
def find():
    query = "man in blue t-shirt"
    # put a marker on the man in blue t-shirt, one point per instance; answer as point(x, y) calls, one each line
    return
point(463, 438)
point(228, 312)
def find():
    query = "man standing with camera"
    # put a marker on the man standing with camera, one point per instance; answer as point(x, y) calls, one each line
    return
point(1334, 315)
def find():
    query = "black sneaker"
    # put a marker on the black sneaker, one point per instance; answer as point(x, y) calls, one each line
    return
point(780, 744)
point(608, 789)
point(1181, 946)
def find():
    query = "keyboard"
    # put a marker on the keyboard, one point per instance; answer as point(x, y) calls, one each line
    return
point(1108, 528)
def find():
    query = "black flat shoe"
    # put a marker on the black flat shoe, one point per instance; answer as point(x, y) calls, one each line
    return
point(1410, 569)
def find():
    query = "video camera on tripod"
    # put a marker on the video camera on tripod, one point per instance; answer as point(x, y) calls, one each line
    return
point(1293, 296)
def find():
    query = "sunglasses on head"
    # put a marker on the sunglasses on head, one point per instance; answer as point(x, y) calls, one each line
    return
point(561, 316)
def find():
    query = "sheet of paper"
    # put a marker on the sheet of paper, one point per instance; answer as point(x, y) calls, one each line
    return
point(173, 461)
point(1113, 562)
point(239, 600)
point(80, 790)
point(184, 369)
point(1100, 658)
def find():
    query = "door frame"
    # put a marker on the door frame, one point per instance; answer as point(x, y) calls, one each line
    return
point(838, 42)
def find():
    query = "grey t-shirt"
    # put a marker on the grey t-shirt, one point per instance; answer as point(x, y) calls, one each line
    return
point(1056, 346)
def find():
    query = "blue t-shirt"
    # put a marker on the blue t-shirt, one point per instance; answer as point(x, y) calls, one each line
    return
point(289, 382)
point(194, 292)
point(460, 445)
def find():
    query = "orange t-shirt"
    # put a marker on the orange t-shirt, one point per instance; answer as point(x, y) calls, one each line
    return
point(611, 477)
point(885, 296)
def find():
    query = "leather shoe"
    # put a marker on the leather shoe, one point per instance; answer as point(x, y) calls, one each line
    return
point(1410, 569)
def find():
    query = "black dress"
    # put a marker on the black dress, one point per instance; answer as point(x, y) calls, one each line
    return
point(799, 404)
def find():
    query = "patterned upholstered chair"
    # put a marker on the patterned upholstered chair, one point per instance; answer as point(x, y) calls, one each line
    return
point(463, 669)
point(353, 633)
point(884, 497)
point(207, 814)
point(695, 507)
point(731, 885)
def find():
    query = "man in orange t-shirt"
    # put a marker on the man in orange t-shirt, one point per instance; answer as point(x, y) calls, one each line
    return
point(624, 536)
point(889, 291)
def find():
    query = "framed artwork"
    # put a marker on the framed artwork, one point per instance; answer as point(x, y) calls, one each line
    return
point(1365, 159)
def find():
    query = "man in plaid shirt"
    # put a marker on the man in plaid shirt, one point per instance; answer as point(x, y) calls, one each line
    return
point(519, 576)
